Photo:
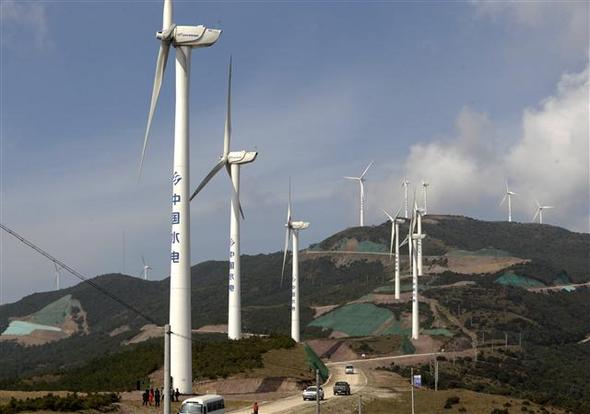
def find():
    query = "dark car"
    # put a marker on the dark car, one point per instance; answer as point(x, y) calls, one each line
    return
point(342, 388)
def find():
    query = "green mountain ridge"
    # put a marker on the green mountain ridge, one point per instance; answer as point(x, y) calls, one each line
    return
point(325, 280)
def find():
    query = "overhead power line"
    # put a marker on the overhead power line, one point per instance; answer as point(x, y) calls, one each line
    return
point(78, 274)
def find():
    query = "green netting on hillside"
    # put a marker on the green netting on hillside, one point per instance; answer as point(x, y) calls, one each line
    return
point(404, 287)
point(55, 313)
point(358, 319)
point(407, 347)
point(437, 332)
point(397, 329)
point(512, 279)
point(22, 328)
point(488, 252)
point(561, 279)
point(371, 247)
point(316, 363)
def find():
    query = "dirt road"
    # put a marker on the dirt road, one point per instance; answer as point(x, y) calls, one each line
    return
point(361, 382)
point(358, 381)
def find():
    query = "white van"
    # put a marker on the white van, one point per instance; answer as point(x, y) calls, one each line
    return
point(203, 404)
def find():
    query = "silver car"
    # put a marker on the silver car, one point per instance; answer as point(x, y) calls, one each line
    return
point(311, 393)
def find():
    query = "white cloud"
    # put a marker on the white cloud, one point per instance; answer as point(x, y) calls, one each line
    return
point(24, 20)
point(549, 161)
point(565, 22)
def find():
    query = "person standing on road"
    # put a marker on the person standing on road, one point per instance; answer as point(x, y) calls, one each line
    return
point(177, 394)
point(157, 397)
point(145, 397)
point(151, 396)
point(255, 408)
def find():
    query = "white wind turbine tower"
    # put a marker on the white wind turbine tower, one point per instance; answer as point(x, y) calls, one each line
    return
point(508, 196)
point(395, 222)
point(539, 212)
point(184, 39)
point(293, 228)
point(425, 186)
point(361, 181)
point(405, 184)
point(412, 239)
point(146, 267)
point(232, 161)
point(419, 213)
point(57, 276)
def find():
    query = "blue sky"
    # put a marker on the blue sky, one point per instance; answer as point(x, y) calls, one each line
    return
point(463, 94)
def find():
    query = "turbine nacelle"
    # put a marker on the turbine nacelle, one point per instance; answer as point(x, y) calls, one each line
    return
point(192, 36)
point(299, 225)
point(241, 157)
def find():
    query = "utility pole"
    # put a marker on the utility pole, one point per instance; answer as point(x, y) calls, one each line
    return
point(436, 374)
point(412, 387)
point(317, 394)
point(166, 391)
point(360, 404)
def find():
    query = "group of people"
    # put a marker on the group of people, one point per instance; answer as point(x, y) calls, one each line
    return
point(155, 397)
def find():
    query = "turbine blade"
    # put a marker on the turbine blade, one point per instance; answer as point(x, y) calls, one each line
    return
point(536, 214)
point(181, 58)
point(403, 243)
point(352, 178)
point(392, 239)
point(397, 212)
point(228, 169)
point(503, 199)
point(289, 204)
point(227, 132)
point(287, 234)
point(167, 15)
point(387, 214)
point(208, 178)
point(160, 68)
point(142, 260)
point(366, 169)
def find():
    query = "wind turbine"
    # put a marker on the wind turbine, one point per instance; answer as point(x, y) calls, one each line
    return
point(232, 161)
point(395, 222)
point(361, 181)
point(57, 276)
point(293, 228)
point(412, 239)
point(184, 39)
point(425, 186)
point(539, 212)
point(419, 213)
point(508, 196)
point(144, 272)
point(405, 184)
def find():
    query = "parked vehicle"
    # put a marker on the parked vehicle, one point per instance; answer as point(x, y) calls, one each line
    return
point(342, 388)
point(349, 369)
point(311, 393)
point(203, 404)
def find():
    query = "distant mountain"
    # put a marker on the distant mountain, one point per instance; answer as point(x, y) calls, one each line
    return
point(559, 248)
point(328, 277)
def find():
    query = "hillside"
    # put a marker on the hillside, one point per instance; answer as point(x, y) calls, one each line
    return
point(328, 279)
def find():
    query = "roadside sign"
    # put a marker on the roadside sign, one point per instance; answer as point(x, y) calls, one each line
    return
point(417, 381)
